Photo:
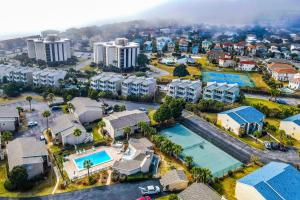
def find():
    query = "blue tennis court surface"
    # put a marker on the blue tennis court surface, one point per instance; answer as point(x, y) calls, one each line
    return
point(204, 153)
point(241, 80)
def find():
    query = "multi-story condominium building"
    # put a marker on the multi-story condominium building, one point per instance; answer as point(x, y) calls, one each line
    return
point(20, 75)
point(139, 86)
point(48, 77)
point(294, 83)
point(188, 90)
point(119, 53)
point(227, 93)
point(50, 49)
point(107, 83)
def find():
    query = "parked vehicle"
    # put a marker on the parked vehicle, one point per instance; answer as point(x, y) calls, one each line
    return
point(143, 109)
point(144, 198)
point(151, 189)
point(32, 124)
point(280, 101)
point(268, 145)
point(56, 108)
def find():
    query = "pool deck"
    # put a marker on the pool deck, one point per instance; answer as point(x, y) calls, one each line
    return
point(74, 173)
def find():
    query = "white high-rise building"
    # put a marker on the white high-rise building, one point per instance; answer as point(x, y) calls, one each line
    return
point(49, 49)
point(119, 53)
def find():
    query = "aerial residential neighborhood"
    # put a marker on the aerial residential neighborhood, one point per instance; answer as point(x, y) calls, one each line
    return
point(170, 100)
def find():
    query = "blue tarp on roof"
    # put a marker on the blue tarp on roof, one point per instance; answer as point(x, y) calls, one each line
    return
point(275, 181)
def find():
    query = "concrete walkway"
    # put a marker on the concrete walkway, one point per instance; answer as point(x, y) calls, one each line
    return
point(57, 175)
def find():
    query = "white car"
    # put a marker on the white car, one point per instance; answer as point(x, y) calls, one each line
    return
point(151, 189)
point(31, 124)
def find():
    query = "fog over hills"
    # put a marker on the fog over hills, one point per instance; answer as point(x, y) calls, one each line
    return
point(227, 12)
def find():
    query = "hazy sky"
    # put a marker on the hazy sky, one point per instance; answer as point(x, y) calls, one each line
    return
point(32, 16)
point(35, 15)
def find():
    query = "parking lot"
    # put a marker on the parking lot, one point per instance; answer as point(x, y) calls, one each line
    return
point(38, 108)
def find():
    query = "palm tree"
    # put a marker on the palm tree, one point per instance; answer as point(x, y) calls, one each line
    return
point(29, 99)
point(127, 131)
point(143, 126)
point(77, 132)
point(177, 150)
point(189, 161)
point(51, 97)
point(275, 93)
point(6, 136)
point(101, 125)
point(88, 164)
point(46, 114)
point(20, 109)
point(202, 175)
point(70, 106)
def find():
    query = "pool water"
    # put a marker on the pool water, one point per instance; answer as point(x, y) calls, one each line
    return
point(204, 153)
point(96, 158)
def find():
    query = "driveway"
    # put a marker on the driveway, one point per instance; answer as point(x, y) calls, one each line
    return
point(233, 146)
point(156, 72)
point(122, 191)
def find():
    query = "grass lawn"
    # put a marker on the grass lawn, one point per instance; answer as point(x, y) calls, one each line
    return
point(194, 71)
point(98, 137)
point(248, 140)
point(211, 116)
point(22, 97)
point(270, 104)
point(163, 198)
point(89, 68)
point(228, 184)
point(41, 188)
point(168, 163)
point(258, 81)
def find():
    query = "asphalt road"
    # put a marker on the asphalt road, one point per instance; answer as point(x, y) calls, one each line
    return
point(131, 105)
point(123, 191)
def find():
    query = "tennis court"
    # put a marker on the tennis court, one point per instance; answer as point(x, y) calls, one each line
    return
point(241, 80)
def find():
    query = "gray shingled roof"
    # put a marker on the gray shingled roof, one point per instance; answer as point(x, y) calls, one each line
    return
point(173, 176)
point(83, 104)
point(8, 112)
point(65, 124)
point(26, 150)
point(123, 119)
point(127, 165)
point(140, 144)
point(199, 191)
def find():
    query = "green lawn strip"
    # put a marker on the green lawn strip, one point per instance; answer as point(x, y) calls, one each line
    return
point(226, 186)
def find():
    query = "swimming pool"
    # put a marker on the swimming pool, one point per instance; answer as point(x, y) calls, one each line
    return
point(241, 80)
point(204, 153)
point(96, 158)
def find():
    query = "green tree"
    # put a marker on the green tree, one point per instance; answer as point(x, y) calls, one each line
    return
point(46, 114)
point(69, 97)
point(77, 133)
point(275, 93)
point(29, 99)
point(18, 177)
point(101, 125)
point(51, 97)
point(181, 71)
point(176, 106)
point(88, 164)
point(142, 60)
point(162, 114)
point(189, 161)
point(202, 175)
point(257, 134)
point(6, 136)
point(127, 132)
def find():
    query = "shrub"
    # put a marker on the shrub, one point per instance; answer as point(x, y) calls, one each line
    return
point(8, 185)
point(230, 173)
point(122, 178)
